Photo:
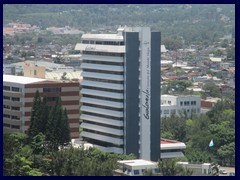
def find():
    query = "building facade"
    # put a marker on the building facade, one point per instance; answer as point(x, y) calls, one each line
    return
point(171, 148)
point(18, 95)
point(180, 105)
point(121, 91)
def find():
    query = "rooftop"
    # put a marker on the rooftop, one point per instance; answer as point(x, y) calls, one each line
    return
point(21, 79)
point(137, 162)
point(215, 59)
point(167, 144)
point(102, 48)
point(106, 37)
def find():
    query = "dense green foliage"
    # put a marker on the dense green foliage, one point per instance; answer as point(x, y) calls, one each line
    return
point(41, 38)
point(30, 158)
point(168, 167)
point(37, 153)
point(218, 124)
point(51, 122)
point(79, 162)
point(191, 24)
point(176, 86)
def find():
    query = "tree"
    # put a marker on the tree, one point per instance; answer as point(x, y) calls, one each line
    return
point(22, 167)
point(173, 43)
point(168, 167)
point(175, 126)
point(57, 128)
point(210, 89)
point(35, 124)
point(19, 140)
point(65, 136)
point(44, 116)
point(227, 154)
point(51, 129)
point(38, 144)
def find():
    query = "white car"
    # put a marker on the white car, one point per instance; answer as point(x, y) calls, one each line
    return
point(222, 171)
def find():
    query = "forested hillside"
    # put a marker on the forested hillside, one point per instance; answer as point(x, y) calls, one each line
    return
point(194, 24)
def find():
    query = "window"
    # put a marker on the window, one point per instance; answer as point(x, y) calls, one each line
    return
point(6, 97)
point(15, 127)
point(53, 89)
point(15, 118)
point(6, 88)
point(6, 115)
point(181, 103)
point(156, 170)
point(166, 111)
point(169, 102)
point(35, 72)
point(52, 99)
point(136, 172)
point(6, 125)
point(15, 99)
point(6, 107)
point(193, 102)
point(15, 89)
point(186, 103)
point(15, 108)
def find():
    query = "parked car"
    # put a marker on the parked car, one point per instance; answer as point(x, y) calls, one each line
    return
point(231, 174)
point(222, 171)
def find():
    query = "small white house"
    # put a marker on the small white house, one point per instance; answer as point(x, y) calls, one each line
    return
point(135, 167)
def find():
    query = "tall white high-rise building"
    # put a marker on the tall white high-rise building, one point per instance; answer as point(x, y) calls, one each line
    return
point(120, 109)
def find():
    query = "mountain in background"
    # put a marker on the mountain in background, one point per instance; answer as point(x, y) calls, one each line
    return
point(192, 23)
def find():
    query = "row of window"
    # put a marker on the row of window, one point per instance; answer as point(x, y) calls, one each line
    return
point(9, 98)
point(102, 71)
point(102, 89)
point(11, 126)
point(104, 125)
point(103, 62)
point(137, 171)
point(103, 107)
point(103, 53)
point(14, 89)
point(102, 143)
point(102, 98)
point(52, 89)
point(103, 80)
point(102, 133)
point(15, 108)
point(102, 116)
point(119, 43)
point(173, 111)
point(13, 117)
point(187, 103)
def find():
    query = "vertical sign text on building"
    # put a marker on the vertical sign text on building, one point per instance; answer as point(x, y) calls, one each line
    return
point(145, 93)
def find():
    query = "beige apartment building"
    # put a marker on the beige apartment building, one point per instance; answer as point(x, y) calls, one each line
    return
point(18, 94)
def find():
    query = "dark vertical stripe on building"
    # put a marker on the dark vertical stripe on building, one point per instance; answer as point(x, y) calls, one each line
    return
point(132, 92)
point(155, 95)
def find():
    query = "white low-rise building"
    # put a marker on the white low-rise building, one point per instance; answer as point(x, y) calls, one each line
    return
point(135, 167)
point(180, 105)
